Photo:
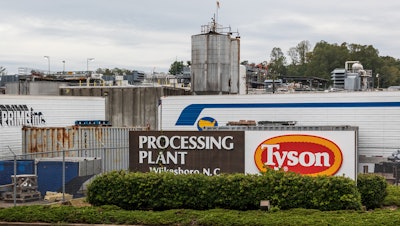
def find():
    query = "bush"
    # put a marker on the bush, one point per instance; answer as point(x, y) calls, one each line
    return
point(231, 191)
point(292, 190)
point(393, 196)
point(372, 188)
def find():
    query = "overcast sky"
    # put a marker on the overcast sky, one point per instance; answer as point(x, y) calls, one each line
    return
point(149, 35)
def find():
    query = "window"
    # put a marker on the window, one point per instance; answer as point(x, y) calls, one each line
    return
point(365, 169)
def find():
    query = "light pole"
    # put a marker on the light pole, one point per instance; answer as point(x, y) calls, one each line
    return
point(87, 64)
point(63, 66)
point(48, 60)
point(377, 76)
point(153, 75)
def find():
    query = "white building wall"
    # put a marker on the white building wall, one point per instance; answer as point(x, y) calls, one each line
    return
point(46, 111)
point(376, 114)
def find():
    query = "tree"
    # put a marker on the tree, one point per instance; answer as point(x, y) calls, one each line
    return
point(246, 62)
point(294, 55)
point(325, 58)
point(176, 68)
point(367, 55)
point(391, 76)
point(302, 50)
point(389, 73)
point(300, 56)
point(277, 62)
point(115, 71)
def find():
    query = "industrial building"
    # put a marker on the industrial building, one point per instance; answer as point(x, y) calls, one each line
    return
point(353, 78)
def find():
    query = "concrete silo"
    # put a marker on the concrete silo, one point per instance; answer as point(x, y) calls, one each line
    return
point(215, 61)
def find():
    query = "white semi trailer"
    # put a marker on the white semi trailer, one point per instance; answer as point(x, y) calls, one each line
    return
point(376, 114)
point(42, 111)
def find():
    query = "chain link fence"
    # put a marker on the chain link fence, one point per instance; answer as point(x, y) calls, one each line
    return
point(56, 175)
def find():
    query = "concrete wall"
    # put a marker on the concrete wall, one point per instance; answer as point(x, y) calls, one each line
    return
point(34, 88)
point(128, 106)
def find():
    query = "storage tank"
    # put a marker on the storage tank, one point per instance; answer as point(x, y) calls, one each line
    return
point(242, 80)
point(357, 67)
point(215, 61)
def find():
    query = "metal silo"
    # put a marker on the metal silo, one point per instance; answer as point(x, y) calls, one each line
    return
point(215, 61)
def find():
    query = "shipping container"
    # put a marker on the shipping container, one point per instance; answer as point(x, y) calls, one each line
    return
point(376, 114)
point(7, 169)
point(110, 144)
point(42, 111)
point(77, 171)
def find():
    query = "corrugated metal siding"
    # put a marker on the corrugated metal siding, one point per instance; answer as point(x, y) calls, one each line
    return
point(111, 144)
point(55, 111)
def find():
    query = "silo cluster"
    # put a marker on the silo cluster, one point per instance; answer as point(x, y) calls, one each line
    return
point(215, 61)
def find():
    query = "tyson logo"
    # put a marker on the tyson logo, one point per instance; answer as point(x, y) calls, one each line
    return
point(206, 122)
point(304, 154)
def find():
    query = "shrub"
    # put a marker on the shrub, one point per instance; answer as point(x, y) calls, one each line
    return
point(393, 196)
point(228, 191)
point(372, 188)
point(292, 190)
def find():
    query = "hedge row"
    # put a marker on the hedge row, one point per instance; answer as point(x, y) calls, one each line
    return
point(144, 191)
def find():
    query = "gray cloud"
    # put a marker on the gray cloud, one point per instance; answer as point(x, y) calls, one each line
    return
point(142, 35)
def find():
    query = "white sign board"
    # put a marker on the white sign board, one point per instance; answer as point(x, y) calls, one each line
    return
point(305, 152)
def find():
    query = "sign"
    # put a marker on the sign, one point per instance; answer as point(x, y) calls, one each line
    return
point(20, 115)
point(187, 152)
point(306, 152)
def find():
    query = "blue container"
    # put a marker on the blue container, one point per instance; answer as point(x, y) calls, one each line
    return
point(50, 175)
point(7, 169)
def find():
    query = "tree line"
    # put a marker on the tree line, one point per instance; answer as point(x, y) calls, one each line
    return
point(325, 57)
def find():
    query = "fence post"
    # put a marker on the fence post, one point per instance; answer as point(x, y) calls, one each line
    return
point(15, 176)
point(63, 176)
point(63, 171)
point(103, 159)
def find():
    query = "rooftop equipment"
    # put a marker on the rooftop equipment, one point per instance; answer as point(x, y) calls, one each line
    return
point(354, 79)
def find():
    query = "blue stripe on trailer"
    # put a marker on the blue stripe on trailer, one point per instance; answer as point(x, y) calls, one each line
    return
point(190, 113)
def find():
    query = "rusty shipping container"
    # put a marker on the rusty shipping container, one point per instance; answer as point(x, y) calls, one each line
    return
point(111, 144)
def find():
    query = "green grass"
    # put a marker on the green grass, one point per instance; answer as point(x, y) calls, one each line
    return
point(58, 214)
point(114, 215)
